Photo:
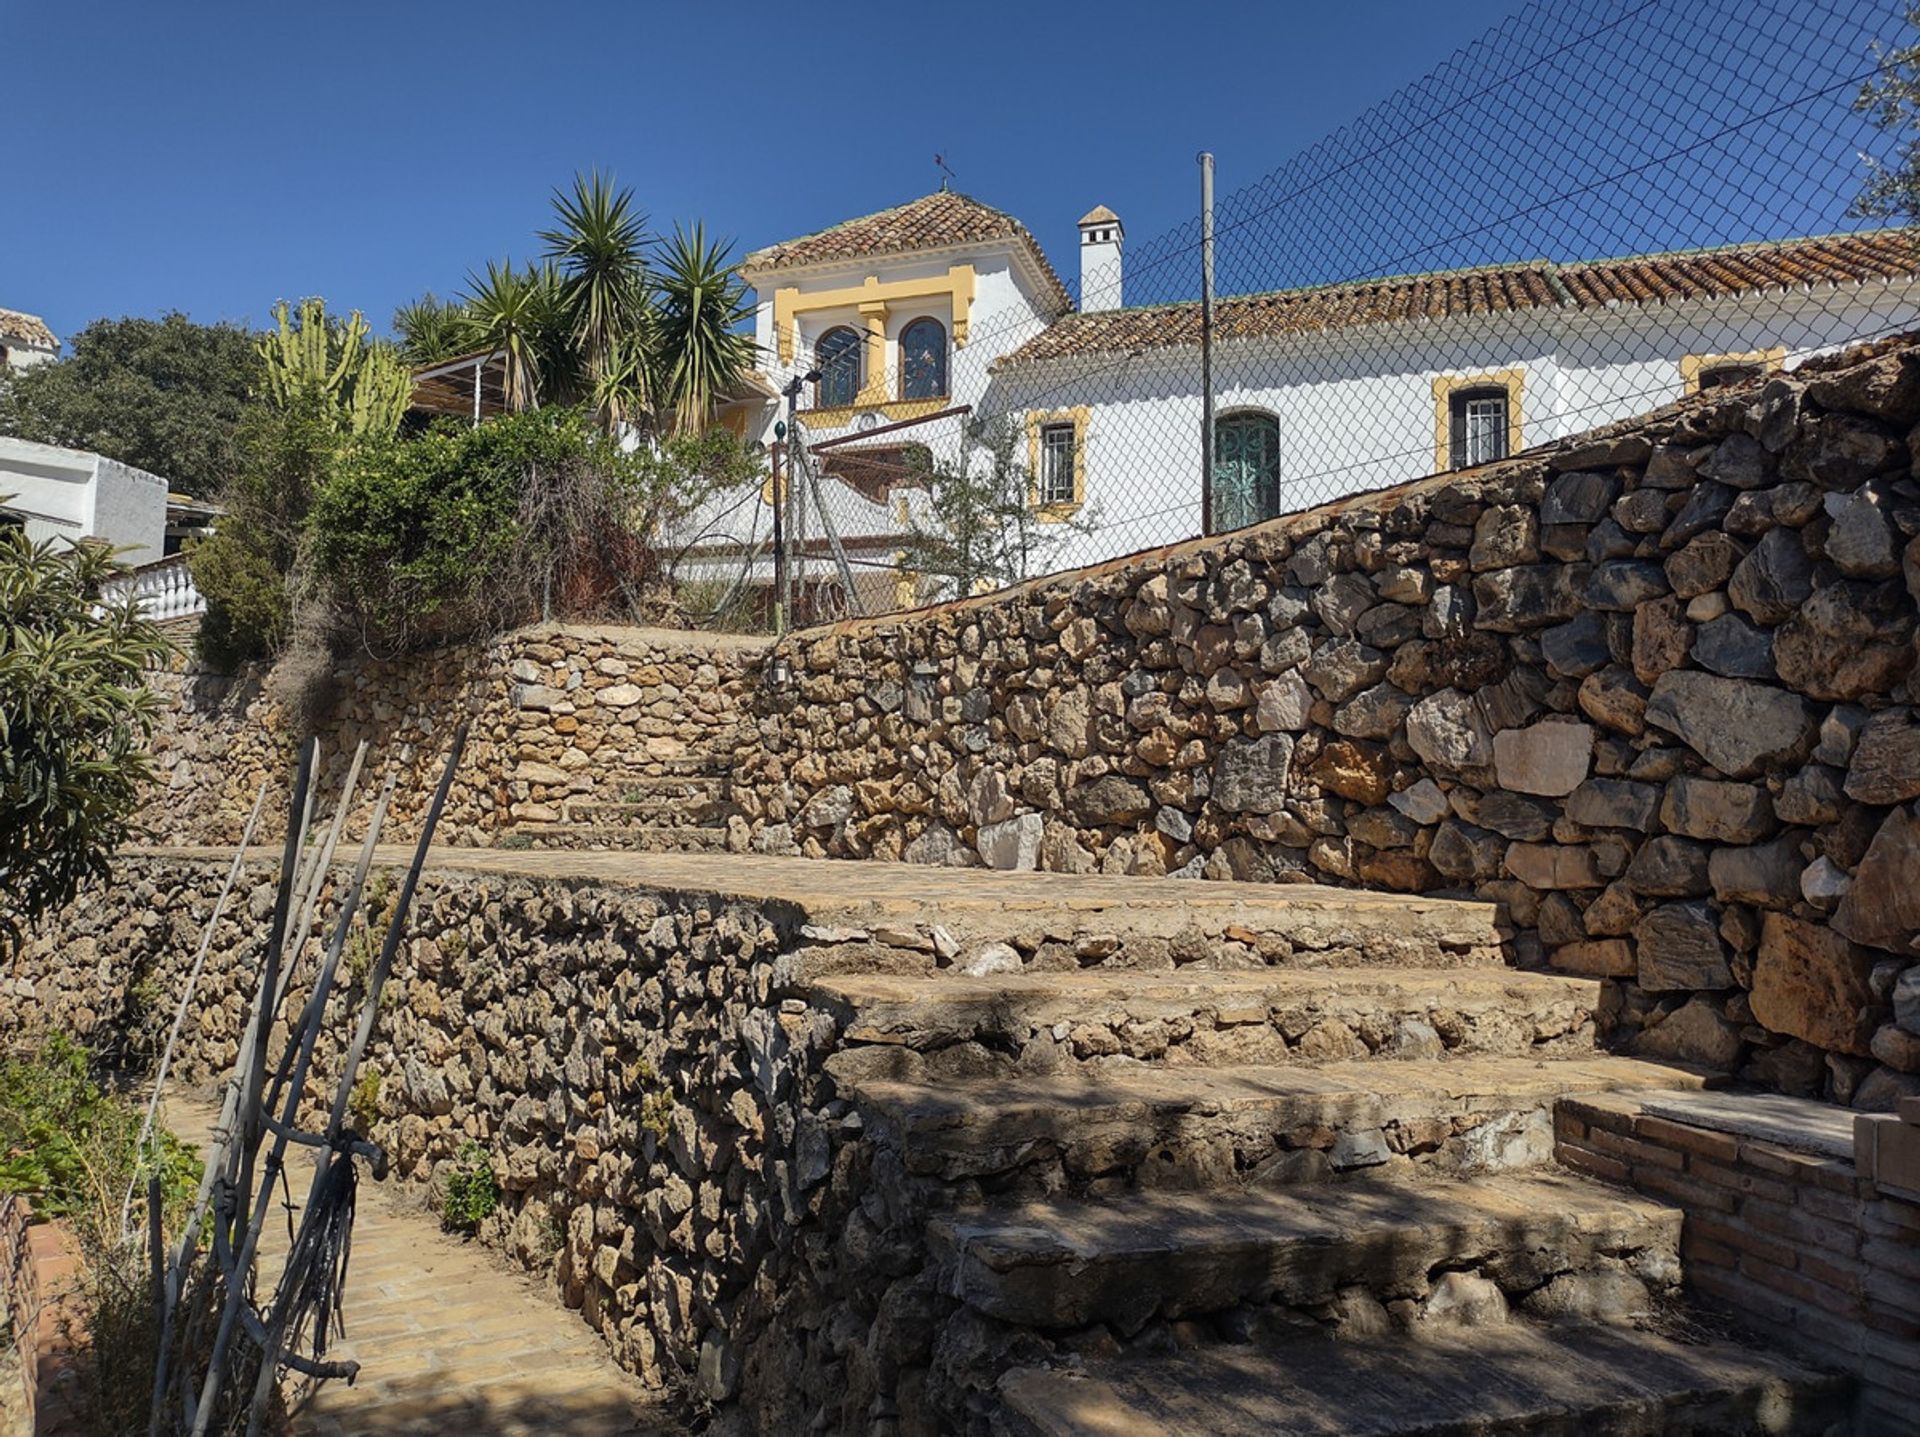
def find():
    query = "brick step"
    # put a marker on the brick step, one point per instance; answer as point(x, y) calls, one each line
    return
point(1105, 1130)
point(916, 1027)
point(1290, 1258)
point(1487, 1381)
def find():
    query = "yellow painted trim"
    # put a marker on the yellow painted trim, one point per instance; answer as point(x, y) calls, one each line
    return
point(1447, 385)
point(1692, 365)
point(1036, 420)
point(956, 286)
point(890, 410)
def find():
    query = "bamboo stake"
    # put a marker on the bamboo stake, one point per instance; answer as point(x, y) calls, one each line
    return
point(317, 880)
point(343, 1088)
point(237, 1157)
point(186, 996)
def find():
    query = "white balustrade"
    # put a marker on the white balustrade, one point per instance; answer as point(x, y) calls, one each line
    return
point(164, 588)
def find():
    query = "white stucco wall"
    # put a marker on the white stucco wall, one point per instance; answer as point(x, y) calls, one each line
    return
point(71, 494)
point(22, 355)
point(1356, 407)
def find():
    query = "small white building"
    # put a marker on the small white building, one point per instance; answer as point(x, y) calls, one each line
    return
point(25, 340)
point(919, 324)
point(75, 495)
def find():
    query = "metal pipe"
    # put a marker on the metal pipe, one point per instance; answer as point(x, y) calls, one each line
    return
point(1206, 342)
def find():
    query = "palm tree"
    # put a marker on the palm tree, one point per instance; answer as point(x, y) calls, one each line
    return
point(599, 246)
point(702, 351)
point(431, 329)
point(512, 310)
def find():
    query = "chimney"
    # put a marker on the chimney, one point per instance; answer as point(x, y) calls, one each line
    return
point(1101, 236)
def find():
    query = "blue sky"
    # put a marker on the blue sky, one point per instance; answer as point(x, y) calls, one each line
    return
point(215, 156)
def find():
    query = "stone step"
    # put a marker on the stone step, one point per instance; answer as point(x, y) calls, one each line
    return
point(647, 838)
point(1060, 923)
point(913, 1027)
point(1547, 1239)
point(684, 812)
point(1100, 1131)
point(1500, 1381)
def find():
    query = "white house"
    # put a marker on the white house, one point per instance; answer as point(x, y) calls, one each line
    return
point(921, 323)
point(25, 340)
point(74, 496)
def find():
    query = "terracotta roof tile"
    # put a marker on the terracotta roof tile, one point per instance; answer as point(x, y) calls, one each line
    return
point(933, 221)
point(1503, 289)
point(27, 327)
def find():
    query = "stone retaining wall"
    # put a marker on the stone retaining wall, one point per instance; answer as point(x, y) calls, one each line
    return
point(1650, 689)
point(646, 1089)
point(557, 712)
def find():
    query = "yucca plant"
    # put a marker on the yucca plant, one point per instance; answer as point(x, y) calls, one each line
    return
point(431, 329)
point(512, 310)
point(702, 351)
point(598, 246)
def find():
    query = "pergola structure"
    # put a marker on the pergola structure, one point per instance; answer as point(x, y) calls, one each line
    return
point(471, 386)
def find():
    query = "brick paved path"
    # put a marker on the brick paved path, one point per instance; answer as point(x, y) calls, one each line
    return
point(449, 1337)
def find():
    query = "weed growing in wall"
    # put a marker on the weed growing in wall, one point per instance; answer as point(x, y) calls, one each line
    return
point(471, 1192)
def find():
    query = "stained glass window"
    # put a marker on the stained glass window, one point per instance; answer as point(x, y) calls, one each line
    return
point(1246, 469)
point(837, 357)
point(923, 360)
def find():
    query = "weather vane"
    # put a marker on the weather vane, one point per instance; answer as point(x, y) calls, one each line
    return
point(947, 174)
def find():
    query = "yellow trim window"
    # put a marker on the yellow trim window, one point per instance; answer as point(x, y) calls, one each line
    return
point(1476, 418)
point(1057, 462)
point(1717, 371)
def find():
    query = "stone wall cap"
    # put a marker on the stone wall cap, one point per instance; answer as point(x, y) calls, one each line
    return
point(1802, 1125)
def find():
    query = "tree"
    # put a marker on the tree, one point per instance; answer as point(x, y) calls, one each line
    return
point(75, 715)
point(702, 349)
point(164, 395)
point(516, 312)
point(432, 330)
point(979, 527)
point(598, 249)
point(1892, 98)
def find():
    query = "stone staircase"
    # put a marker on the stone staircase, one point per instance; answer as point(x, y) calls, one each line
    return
point(1301, 1183)
point(681, 807)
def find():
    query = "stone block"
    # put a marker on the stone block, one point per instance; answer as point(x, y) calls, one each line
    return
point(1550, 758)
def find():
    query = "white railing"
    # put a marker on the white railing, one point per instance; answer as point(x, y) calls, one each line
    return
point(164, 588)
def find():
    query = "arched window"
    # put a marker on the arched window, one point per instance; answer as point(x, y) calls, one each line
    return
point(837, 357)
point(1246, 469)
point(923, 360)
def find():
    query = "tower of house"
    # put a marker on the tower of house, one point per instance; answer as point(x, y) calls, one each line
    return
point(1101, 236)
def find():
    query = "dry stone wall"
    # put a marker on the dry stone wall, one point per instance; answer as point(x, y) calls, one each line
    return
point(559, 713)
point(1650, 689)
point(623, 1057)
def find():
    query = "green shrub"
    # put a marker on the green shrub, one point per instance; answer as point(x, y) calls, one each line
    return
point(75, 713)
point(72, 1147)
point(464, 531)
point(470, 1193)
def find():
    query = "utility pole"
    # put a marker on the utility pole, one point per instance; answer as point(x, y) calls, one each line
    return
point(779, 537)
point(782, 496)
point(1206, 342)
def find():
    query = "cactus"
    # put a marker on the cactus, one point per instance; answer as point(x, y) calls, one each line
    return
point(363, 386)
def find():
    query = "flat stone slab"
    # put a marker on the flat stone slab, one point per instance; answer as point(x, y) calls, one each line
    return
point(1219, 1127)
point(980, 903)
point(947, 1024)
point(1800, 1124)
point(1065, 1264)
point(1478, 1382)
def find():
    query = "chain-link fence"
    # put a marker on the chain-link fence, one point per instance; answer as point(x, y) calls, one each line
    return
point(1590, 211)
